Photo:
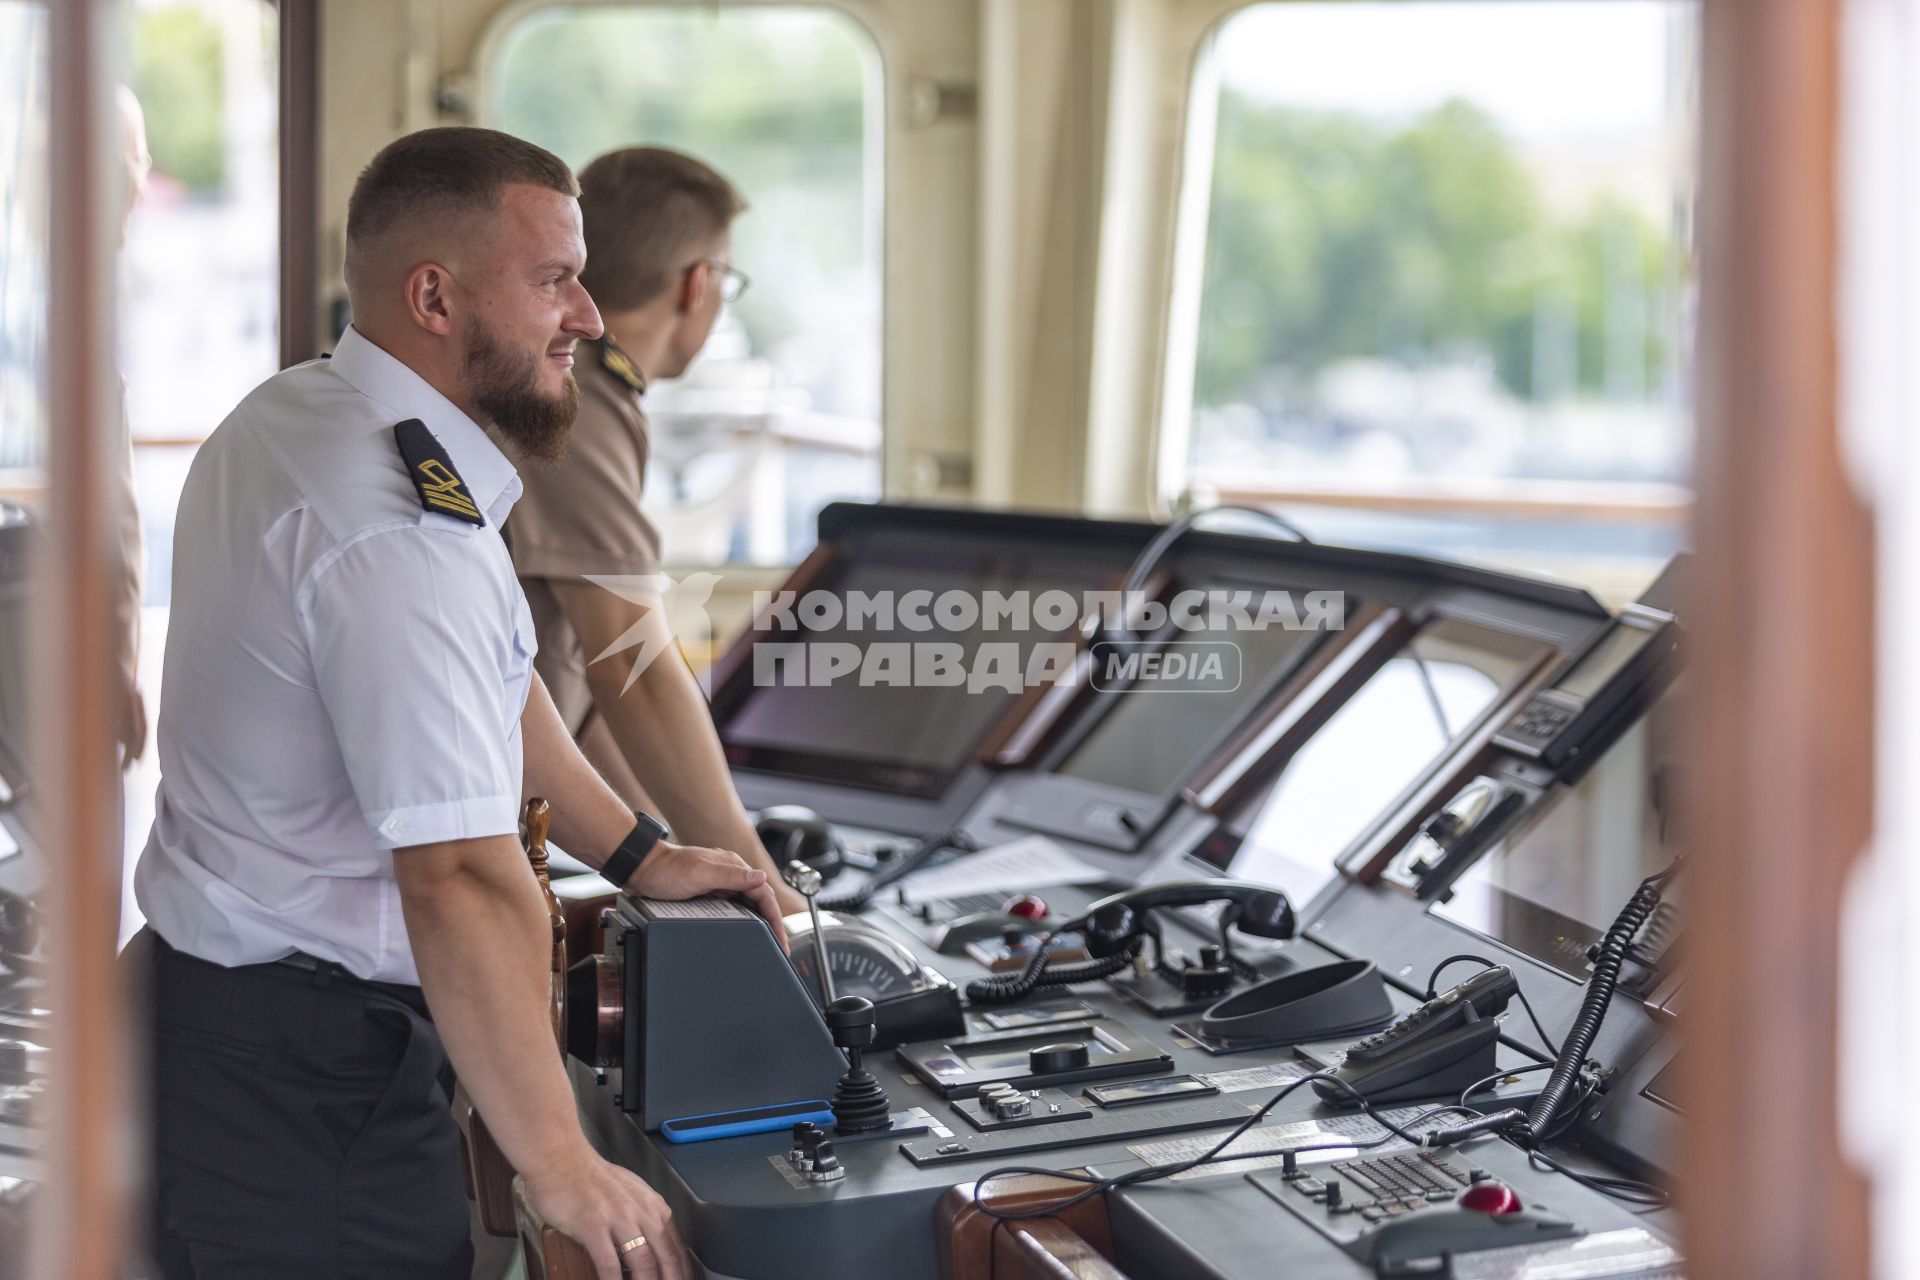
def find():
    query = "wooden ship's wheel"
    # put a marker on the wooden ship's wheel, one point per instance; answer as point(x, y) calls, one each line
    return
point(492, 1182)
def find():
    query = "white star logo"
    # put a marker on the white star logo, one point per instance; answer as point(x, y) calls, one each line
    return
point(675, 602)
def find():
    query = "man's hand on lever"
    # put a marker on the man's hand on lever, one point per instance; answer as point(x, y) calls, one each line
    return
point(677, 871)
point(788, 901)
point(604, 1207)
point(590, 820)
point(658, 720)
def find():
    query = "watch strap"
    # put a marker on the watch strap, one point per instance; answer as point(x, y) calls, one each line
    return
point(627, 856)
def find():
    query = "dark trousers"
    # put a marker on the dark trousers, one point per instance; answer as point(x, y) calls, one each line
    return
point(301, 1125)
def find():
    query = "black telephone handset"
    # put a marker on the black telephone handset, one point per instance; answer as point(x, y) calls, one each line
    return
point(790, 831)
point(1440, 1048)
point(1118, 926)
point(1116, 920)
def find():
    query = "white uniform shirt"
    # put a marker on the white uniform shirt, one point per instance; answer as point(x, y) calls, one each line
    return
point(345, 671)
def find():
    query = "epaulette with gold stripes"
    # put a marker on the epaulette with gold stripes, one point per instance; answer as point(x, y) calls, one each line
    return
point(431, 470)
point(620, 364)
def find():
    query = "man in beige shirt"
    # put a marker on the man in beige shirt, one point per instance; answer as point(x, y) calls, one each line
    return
point(656, 225)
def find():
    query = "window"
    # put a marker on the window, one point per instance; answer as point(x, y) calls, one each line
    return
point(23, 244)
point(199, 274)
point(781, 414)
point(1446, 291)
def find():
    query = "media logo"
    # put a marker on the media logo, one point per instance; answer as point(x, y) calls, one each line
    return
point(1178, 666)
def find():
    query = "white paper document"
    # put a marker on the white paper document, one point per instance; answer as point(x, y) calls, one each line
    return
point(1032, 862)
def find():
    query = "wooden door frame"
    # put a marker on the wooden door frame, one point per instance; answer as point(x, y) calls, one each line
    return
point(82, 1208)
point(300, 336)
point(1781, 751)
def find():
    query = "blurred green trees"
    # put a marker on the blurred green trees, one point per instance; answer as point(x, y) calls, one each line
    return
point(1334, 236)
point(775, 99)
point(180, 78)
point(780, 94)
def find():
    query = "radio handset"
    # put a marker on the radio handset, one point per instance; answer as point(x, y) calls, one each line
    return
point(1118, 926)
point(1476, 815)
point(1253, 908)
point(1440, 1048)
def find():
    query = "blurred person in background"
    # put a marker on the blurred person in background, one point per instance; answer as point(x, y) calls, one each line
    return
point(657, 228)
point(131, 708)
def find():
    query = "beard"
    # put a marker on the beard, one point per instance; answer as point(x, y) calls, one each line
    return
point(505, 388)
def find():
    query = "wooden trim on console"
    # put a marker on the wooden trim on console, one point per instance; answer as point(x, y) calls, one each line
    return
point(1074, 1244)
point(1032, 723)
point(738, 656)
point(584, 899)
point(1029, 724)
point(489, 1175)
point(1015, 738)
point(548, 1254)
point(1321, 688)
point(1048, 1249)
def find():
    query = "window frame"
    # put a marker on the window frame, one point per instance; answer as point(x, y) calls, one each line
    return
point(1644, 503)
point(866, 18)
point(296, 128)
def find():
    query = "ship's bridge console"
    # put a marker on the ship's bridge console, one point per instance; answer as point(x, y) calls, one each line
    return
point(25, 1027)
point(1190, 904)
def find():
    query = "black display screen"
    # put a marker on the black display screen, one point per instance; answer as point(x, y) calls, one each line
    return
point(1604, 661)
point(1113, 1095)
point(1664, 1088)
point(1553, 887)
point(913, 736)
point(1384, 739)
point(1150, 739)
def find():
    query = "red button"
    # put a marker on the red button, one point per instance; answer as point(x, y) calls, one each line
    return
point(1490, 1197)
point(1026, 906)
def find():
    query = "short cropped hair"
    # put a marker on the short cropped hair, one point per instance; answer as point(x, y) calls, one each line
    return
point(643, 210)
point(445, 172)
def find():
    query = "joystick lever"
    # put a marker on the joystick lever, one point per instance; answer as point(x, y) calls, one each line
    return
point(860, 1105)
point(806, 880)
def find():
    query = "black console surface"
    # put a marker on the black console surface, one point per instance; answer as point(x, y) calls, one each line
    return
point(1356, 748)
point(1232, 1226)
point(749, 1215)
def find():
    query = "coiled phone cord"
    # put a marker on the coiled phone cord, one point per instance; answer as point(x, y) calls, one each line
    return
point(1593, 1009)
point(1039, 974)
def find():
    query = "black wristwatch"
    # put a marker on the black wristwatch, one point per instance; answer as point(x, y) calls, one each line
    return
point(620, 865)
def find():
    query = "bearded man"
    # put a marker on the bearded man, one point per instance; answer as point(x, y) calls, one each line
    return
point(339, 909)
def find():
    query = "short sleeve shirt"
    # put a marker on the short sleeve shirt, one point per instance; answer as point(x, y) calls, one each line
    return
point(582, 516)
point(345, 670)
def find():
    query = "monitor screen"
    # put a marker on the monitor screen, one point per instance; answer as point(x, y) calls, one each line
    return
point(1602, 662)
point(910, 737)
point(1376, 747)
point(1551, 888)
point(1149, 739)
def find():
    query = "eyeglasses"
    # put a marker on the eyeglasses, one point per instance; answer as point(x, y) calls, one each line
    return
point(733, 281)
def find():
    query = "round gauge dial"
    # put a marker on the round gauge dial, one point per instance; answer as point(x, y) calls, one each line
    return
point(861, 960)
